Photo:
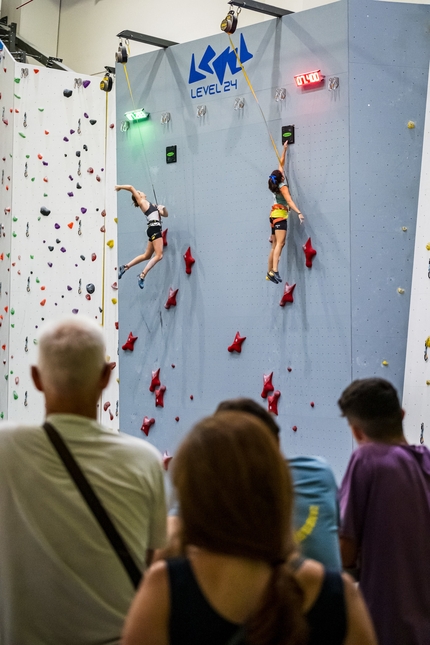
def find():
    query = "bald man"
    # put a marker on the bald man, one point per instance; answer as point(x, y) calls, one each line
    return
point(61, 582)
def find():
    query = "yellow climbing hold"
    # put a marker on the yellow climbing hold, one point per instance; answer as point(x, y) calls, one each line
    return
point(385, 363)
point(115, 219)
point(404, 229)
point(427, 382)
point(428, 246)
point(411, 125)
point(400, 290)
point(110, 244)
point(427, 343)
point(114, 301)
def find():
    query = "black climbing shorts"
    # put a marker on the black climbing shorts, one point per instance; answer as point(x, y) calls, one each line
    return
point(154, 232)
point(279, 226)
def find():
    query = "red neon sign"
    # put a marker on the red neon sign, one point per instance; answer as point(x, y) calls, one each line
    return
point(308, 78)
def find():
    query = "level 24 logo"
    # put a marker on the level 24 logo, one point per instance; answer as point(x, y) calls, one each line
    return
point(212, 64)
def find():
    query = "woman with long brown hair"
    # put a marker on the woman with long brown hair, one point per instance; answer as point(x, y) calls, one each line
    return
point(237, 582)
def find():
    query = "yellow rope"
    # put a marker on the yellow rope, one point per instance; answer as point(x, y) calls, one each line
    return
point(104, 225)
point(255, 96)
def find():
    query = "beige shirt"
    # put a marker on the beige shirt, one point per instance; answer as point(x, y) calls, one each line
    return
point(61, 583)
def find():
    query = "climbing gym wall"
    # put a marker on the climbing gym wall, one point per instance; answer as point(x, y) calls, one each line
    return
point(416, 391)
point(58, 230)
point(302, 341)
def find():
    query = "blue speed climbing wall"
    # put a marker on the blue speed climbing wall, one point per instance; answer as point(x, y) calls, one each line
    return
point(219, 205)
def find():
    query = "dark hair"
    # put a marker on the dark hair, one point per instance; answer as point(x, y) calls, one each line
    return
point(250, 406)
point(236, 497)
point(134, 200)
point(275, 178)
point(374, 403)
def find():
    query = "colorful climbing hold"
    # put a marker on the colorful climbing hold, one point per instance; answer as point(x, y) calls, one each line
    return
point(309, 252)
point(159, 397)
point(110, 244)
point(164, 234)
point(129, 344)
point(146, 425)
point(93, 257)
point(272, 401)
point(90, 287)
point(166, 460)
point(189, 260)
point(236, 345)
point(171, 300)
point(288, 294)
point(267, 385)
point(67, 93)
point(155, 380)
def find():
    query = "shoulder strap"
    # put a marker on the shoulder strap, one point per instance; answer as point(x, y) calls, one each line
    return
point(94, 503)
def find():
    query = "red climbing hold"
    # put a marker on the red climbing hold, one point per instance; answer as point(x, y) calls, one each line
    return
point(164, 234)
point(267, 385)
point(290, 369)
point(309, 253)
point(106, 406)
point(312, 404)
point(166, 459)
point(155, 380)
point(93, 257)
point(146, 425)
point(295, 428)
point(130, 342)
point(288, 294)
point(171, 300)
point(273, 402)
point(43, 302)
point(159, 397)
point(176, 419)
point(189, 260)
point(236, 345)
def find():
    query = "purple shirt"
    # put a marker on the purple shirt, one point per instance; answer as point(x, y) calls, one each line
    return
point(385, 508)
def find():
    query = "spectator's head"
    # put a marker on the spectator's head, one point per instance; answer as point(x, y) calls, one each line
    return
point(71, 365)
point(251, 407)
point(235, 493)
point(373, 410)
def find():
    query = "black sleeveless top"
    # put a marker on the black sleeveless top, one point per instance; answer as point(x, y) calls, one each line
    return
point(194, 622)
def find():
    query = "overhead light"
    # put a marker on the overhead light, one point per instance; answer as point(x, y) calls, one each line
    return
point(136, 115)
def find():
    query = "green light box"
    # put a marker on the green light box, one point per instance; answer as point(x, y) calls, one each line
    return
point(136, 115)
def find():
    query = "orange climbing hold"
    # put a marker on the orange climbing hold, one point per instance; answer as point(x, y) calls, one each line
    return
point(70, 224)
point(43, 302)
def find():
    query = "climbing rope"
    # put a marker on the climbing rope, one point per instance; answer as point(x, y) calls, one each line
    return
point(140, 133)
point(255, 96)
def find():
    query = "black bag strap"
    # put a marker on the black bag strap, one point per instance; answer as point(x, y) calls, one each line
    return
point(94, 503)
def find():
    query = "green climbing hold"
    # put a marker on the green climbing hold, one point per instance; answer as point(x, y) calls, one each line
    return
point(15, 395)
point(40, 109)
point(1, 415)
point(14, 234)
point(17, 80)
point(38, 219)
point(12, 311)
point(16, 96)
point(45, 194)
point(27, 156)
point(21, 134)
point(13, 325)
point(33, 178)
point(37, 280)
point(8, 255)
point(31, 257)
point(14, 219)
point(11, 372)
point(6, 376)
point(34, 341)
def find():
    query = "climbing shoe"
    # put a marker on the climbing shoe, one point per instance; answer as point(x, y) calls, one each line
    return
point(277, 276)
point(271, 276)
point(122, 269)
point(140, 281)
